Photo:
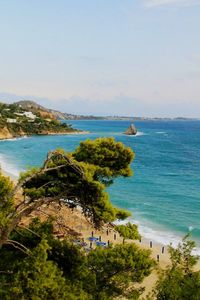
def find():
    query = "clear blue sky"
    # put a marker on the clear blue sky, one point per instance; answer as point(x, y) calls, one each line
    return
point(125, 57)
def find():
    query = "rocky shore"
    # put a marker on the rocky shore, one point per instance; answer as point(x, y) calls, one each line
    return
point(5, 134)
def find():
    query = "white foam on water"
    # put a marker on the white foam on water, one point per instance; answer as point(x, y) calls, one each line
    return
point(160, 132)
point(14, 139)
point(8, 166)
point(190, 228)
point(161, 237)
point(139, 133)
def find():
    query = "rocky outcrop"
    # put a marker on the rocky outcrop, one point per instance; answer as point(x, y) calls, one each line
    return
point(131, 130)
point(5, 134)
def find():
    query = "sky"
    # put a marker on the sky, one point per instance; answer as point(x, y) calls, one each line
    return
point(116, 57)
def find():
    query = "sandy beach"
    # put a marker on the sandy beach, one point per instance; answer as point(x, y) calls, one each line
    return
point(72, 224)
point(5, 173)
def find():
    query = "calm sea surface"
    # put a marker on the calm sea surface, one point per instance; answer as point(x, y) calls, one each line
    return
point(163, 194)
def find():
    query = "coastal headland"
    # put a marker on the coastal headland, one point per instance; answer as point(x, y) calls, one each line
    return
point(27, 119)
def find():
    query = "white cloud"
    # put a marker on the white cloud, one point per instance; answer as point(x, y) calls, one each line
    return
point(154, 3)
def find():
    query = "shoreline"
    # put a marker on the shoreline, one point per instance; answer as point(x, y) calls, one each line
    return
point(65, 218)
point(75, 220)
point(146, 239)
point(13, 177)
point(45, 134)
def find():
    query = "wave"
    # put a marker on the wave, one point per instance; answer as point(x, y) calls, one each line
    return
point(139, 133)
point(161, 132)
point(171, 174)
point(14, 139)
point(8, 167)
point(160, 237)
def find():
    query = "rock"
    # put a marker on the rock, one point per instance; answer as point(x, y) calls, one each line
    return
point(5, 133)
point(131, 130)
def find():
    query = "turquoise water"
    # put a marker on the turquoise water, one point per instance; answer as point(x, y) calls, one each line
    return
point(163, 194)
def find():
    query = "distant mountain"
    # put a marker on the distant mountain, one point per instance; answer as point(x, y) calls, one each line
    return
point(55, 114)
point(33, 106)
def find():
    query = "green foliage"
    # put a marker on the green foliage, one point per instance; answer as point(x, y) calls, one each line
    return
point(38, 275)
point(128, 231)
point(122, 214)
point(60, 270)
point(115, 268)
point(25, 126)
point(5, 186)
point(112, 158)
point(179, 281)
point(40, 267)
point(28, 173)
point(6, 202)
point(69, 258)
point(83, 182)
point(38, 278)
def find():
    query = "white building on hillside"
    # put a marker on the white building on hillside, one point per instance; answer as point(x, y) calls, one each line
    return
point(11, 120)
point(19, 114)
point(30, 115)
point(27, 114)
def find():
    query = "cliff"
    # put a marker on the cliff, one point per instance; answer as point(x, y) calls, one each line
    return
point(5, 133)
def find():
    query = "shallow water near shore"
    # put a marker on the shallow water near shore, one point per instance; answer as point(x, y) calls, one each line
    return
point(163, 194)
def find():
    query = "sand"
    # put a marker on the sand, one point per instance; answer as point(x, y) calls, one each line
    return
point(7, 174)
point(72, 224)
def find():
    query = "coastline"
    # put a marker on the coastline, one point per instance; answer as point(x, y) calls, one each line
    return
point(158, 238)
point(65, 218)
point(13, 177)
point(44, 134)
point(145, 240)
point(78, 223)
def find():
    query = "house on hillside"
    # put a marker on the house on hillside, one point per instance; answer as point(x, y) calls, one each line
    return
point(9, 120)
point(27, 114)
point(30, 115)
point(19, 114)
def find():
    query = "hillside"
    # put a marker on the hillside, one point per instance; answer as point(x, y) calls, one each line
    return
point(33, 106)
point(55, 114)
point(27, 118)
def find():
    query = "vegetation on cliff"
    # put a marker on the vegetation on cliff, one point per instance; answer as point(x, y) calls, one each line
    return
point(17, 121)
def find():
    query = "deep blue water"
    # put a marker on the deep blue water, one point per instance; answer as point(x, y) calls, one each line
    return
point(163, 194)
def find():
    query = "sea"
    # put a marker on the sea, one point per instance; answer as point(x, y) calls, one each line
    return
point(163, 195)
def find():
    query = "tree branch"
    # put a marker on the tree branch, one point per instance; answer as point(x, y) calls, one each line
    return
point(18, 246)
point(28, 229)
